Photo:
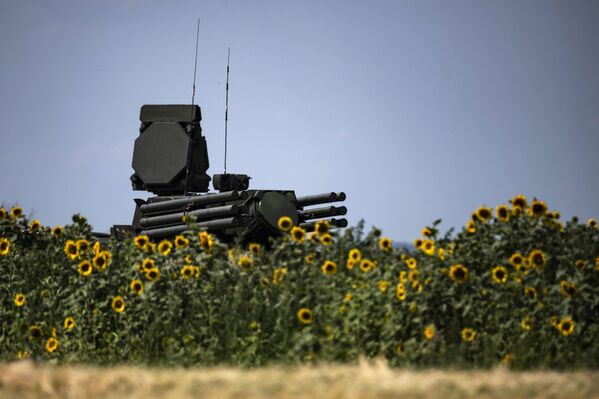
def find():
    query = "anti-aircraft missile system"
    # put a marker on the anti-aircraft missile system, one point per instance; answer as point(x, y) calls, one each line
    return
point(170, 160)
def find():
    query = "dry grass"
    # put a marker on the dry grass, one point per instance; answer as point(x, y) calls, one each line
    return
point(366, 380)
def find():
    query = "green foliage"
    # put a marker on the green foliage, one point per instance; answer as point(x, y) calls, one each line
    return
point(252, 305)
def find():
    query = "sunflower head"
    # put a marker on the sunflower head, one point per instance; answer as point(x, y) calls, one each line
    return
point(165, 247)
point(69, 323)
point(321, 227)
point(530, 293)
point(470, 227)
point(426, 232)
point(519, 201)
point(383, 285)
point(254, 248)
point(285, 223)
point(429, 332)
point(206, 241)
point(566, 326)
point(118, 304)
point(57, 231)
point(580, 264)
point(537, 258)
point(592, 223)
point(85, 268)
point(264, 282)
point(35, 332)
point(36, 225)
point(567, 288)
point(83, 246)
point(305, 316)
point(3, 214)
point(181, 242)
point(136, 286)
point(298, 234)
point(245, 262)
point(326, 239)
point(366, 265)
point(16, 212)
point(484, 213)
point(309, 259)
point(418, 243)
point(385, 244)
point(4, 246)
point(458, 273)
point(101, 261)
point(141, 242)
point(19, 299)
point(329, 268)
point(278, 275)
point(51, 344)
point(400, 292)
point(153, 274)
point(350, 263)
point(538, 208)
point(187, 271)
point(147, 264)
point(355, 254)
point(502, 213)
point(499, 274)
point(517, 260)
point(468, 334)
point(526, 323)
point(70, 249)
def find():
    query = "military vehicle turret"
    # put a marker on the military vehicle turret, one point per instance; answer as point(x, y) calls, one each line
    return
point(170, 160)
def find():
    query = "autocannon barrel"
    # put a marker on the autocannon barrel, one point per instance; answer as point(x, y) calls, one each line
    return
point(322, 212)
point(211, 225)
point(200, 214)
point(192, 201)
point(308, 226)
point(320, 199)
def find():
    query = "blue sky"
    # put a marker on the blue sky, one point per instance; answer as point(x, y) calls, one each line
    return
point(418, 110)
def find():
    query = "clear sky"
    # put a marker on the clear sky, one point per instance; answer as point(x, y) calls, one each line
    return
point(418, 110)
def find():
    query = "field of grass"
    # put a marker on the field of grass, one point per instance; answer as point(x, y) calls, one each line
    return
point(515, 286)
point(366, 380)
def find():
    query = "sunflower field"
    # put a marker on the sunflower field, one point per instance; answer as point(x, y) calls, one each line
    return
point(514, 286)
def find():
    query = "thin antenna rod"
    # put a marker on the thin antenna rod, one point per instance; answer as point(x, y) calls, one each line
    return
point(227, 105)
point(195, 67)
point(193, 94)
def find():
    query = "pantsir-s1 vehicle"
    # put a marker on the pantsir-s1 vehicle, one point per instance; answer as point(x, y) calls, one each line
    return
point(170, 159)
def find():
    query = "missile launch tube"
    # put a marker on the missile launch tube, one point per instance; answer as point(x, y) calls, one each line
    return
point(322, 212)
point(218, 224)
point(192, 200)
point(176, 218)
point(309, 226)
point(320, 199)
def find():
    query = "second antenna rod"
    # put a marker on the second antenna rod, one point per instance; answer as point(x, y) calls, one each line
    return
point(227, 105)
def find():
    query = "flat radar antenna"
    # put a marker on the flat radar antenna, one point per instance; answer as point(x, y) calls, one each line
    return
point(227, 105)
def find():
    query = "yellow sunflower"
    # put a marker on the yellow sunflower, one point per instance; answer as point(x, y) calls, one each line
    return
point(85, 268)
point(16, 212)
point(428, 247)
point(181, 242)
point(254, 248)
point(403, 276)
point(326, 239)
point(484, 213)
point(298, 234)
point(418, 243)
point(580, 264)
point(566, 326)
point(567, 288)
point(285, 223)
point(458, 273)
point(245, 262)
point(468, 334)
point(519, 201)
point(366, 265)
point(400, 292)
point(383, 285)
point(4, 246)
point(3, 214)
point(355, 254)
point(350, 264)
point(57, 231)
point(206, 241)
point(278, 275)
point(348, 297)
point(36, 225)
point(153, 274)
point(187, 271)
point(70, 249)
point(517, 260)
point(136, 286)
point(35, 332)
point(264, 282)
point(147, 264)
point(530, 292)
point(321, 227)
point(118, 304)
point(69, 323)
point(537, 258)
point(538, 208)
point(502, 213)
point(526, 323)
point(329, 268)
point(592, 223)
point(499, 274)
point(83, 246)
point(51, 344)
point(165, 247)
point(309, 259)
point(411, 263)
point(19, 299)
point(426, 232)
point(385, 244)
point(305, 316)
point(470, 227)
point(141, 242)
point(101, 261)
point(429, 332)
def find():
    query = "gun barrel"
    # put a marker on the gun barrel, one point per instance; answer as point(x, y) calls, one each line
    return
point(320, 199)
point(211, 225)
point(200, 214)
point(192, 201)
point(322, 212)
point(337, 223)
